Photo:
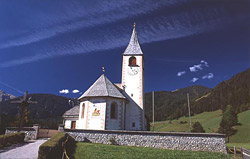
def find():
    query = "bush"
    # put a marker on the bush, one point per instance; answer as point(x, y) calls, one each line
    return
point(197, 127)
point(53, 148)
point(9, 139)
point(112, 141)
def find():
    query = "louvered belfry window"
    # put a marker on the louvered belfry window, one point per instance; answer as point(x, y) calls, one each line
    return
point(83, 107)
point(132, 61)
point(114, 111)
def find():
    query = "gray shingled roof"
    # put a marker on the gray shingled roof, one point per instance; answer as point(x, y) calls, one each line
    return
point(102, 88)
point(72, 112)
point(133, 47)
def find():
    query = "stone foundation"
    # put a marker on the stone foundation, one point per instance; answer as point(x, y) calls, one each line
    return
point(168, 140)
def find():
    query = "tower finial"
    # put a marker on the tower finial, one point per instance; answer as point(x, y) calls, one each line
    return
point(134, 24)
point(103, 70)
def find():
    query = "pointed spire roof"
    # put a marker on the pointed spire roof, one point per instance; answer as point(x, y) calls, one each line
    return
point(102, 88)
point(133, 47)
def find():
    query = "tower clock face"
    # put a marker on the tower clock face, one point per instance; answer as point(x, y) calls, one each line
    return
point(133, 70)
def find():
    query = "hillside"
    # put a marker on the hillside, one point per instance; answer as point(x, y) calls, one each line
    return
point(5, 96)
point(166, 103)
point(210, 122)
point(235, 92)
point(47, 111)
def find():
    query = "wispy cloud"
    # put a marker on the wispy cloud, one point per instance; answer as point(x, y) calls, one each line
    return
point(198, 67)
point(75, 91)
point(195, 68)
point(208, 76)
point(64, 91)
point(85, 31)
point(181, 73)
point(9, 86)
point(194, 79)
point(204, 63)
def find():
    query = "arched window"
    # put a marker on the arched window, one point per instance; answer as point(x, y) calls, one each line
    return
point(83, 108)
point(132, 61)
point(114, 111)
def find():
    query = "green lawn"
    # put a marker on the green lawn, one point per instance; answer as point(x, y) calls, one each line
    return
point(210, 122)
point(90, 151)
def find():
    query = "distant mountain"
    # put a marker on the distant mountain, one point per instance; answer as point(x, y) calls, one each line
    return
point(47, 111)
point(5, 96)
point(166, 103)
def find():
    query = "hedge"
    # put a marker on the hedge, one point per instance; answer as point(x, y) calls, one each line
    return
point(53, 149)
point(9, 139)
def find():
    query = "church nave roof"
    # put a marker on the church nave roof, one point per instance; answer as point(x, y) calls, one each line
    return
point(102, 88)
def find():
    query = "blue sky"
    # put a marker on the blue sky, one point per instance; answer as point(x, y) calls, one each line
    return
point(49, 46)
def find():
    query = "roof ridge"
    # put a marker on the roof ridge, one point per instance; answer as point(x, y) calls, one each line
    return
point(105, 79)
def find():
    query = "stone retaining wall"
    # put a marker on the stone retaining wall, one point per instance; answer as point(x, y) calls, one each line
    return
point(170, 140)
point(30, 132)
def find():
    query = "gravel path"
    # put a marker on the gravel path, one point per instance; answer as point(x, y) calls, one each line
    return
point(27, 151)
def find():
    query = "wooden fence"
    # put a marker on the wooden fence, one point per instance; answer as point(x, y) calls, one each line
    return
point(239, 152)
point(245, 153)
point(46, 133)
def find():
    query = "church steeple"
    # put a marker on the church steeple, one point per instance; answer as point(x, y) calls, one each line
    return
point(133, 47)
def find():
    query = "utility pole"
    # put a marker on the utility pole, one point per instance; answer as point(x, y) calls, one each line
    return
point(190, 126)
point(153, 105)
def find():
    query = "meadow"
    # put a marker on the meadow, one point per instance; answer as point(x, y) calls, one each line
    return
point(210, 122)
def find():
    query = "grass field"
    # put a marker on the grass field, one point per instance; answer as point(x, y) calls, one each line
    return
point(90, 151)
point(210, 122)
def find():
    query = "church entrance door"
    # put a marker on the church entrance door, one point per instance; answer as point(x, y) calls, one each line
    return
point(73, 124)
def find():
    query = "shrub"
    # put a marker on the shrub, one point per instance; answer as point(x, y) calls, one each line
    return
point(197, 127)
point(13, 138)
point(53, 148)
point(112, 141)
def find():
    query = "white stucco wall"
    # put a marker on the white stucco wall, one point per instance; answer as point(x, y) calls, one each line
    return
point(82, 121)
point(67, 124)
point(134, 89)
point(94, 115)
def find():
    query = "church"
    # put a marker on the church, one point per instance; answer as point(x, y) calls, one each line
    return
point(108, 106)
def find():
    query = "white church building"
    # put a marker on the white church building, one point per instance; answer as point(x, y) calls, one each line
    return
point(108, 106)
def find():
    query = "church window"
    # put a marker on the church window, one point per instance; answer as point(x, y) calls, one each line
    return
point(132, 61)
point(83, 107)
point(133, 124)
point(114, 111)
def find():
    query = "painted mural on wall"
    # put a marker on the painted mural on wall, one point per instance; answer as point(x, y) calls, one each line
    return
point(97, 113)
point(96, 110)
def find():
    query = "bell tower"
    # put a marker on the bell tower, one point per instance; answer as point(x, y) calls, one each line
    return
point(133, 83)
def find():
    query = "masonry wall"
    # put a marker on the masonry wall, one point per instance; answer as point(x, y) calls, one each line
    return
point(173, 141)
point(30, 133)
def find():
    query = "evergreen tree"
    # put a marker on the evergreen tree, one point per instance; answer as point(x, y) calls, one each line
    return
point(229, 119)
point(197, 127)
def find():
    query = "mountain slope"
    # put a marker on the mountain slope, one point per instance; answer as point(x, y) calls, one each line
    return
point(235, 92)
point(47, 112)
point(166, 103)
